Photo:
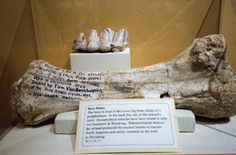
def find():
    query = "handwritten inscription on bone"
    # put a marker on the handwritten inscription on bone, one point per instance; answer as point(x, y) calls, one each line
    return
point(66, 85)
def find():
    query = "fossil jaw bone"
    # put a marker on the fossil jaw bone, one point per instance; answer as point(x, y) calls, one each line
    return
point(107, 41)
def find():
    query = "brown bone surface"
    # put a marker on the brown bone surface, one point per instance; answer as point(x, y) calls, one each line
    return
point(198, 79)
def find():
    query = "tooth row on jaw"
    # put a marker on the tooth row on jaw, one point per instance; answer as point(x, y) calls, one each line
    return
point(107, 41)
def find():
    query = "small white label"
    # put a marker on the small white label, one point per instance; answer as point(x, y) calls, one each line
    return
point(140, 125)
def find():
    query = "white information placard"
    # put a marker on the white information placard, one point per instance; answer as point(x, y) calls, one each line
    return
point(127, 125)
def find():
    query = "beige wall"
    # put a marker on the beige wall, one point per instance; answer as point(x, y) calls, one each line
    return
point(17, 56)
point(158, 30)
point(228, 28)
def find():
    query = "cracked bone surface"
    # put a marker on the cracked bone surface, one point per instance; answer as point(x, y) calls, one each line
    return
point(108, 40)
point(198, 79)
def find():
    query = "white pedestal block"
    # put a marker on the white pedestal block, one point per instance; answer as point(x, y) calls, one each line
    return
point(96, 62)
point(186, 120)
point(66, 123)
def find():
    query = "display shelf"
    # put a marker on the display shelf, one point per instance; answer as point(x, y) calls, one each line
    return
point(209, 137)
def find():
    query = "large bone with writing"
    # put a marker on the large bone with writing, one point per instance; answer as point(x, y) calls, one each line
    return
point(198, 79)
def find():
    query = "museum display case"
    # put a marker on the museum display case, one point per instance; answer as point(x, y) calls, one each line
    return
point(56, 54)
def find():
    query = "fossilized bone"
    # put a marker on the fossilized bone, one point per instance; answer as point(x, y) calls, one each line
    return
point(107, 41)
point(198, 79)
